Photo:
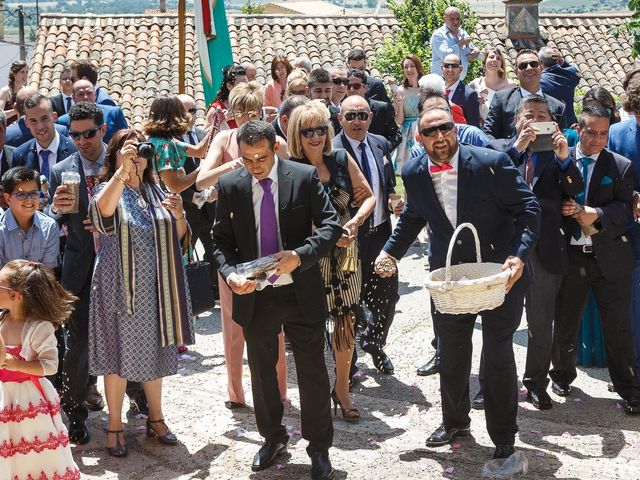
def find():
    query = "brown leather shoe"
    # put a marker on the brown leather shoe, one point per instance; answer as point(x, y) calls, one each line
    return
point(94, 399)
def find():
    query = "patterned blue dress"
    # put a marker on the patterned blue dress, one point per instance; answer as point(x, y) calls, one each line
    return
point(402, 154)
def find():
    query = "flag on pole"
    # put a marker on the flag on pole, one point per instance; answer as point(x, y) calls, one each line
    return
point(214, 44)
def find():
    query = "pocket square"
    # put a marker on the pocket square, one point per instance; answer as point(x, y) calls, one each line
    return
point(606, 180)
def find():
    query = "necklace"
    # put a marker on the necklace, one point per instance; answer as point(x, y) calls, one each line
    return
point(139, 199)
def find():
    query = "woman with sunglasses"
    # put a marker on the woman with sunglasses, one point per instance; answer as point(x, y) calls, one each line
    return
point(232, 76)
point(275, 88)
point(405, 101)
point(310, 138)
point(245, 101)
point(496, 77)
point(168, 121)
point(139, 311)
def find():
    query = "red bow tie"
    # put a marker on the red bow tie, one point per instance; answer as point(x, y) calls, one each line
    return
point(442, 168)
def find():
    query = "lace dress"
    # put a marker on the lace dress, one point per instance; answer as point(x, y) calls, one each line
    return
point(411, 100)
point(34, 443)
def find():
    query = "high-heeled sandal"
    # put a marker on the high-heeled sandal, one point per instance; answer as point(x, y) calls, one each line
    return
point(168, 438)
point(348, 414)
point(118, 450)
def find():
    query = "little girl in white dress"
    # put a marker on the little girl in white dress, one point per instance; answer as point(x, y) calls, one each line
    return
point(34, 443)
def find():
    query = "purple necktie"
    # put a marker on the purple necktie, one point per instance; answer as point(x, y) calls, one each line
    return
point(268, 225)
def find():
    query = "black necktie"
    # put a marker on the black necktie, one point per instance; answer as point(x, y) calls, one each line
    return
point(365, 163)
point(68, 99)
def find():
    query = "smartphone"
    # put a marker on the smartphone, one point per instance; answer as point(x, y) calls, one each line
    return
point(543, 141)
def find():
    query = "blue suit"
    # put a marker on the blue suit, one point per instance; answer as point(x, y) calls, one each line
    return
point(467, 98)
point(492, 196)
point(103, 98)
point(113, 118)
point(560, 82)
point(18, 133)
point(623, 139)
point(27, 154)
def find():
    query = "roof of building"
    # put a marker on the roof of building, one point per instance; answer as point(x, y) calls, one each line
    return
point(312, 8)
point(137, 54)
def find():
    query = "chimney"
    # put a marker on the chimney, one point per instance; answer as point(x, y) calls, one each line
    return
point(523, 23)
point(163, 6)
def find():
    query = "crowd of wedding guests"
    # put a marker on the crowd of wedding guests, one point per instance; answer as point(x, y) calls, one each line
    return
point(114, 213)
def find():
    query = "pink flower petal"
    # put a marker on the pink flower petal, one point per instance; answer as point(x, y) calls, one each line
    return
point(449, 470)
point(566, 435)
point(279, 466)
point(539, 454)
point(456, 446)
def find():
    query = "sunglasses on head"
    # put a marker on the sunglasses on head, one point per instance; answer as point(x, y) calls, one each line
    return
point(532, 64)
point(86, 134)
point(450, 65)
point(340, 81)
point(2, 287)
point(321, 131)
point(351, 116)
point(32, 195)
point(355, 86)
point(433, 131)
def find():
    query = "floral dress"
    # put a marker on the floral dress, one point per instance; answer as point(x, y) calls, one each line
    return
point(169, 154)
point(410, 102)
point(34, 443)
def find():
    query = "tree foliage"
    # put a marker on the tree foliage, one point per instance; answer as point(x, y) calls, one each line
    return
point(632, 27)
point(250, 7)
point(418, 19)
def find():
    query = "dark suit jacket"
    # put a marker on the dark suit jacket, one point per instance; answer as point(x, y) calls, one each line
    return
point(27, 154)
point(7, 159)
point(551, 187)
point(501, 120)
point(560, 81)
point(334, 111)
point(278, 129)
point(190, 164)
point(77, 261)
point(381, 149)
point(303, 204)
point(467, 98)
point(384, 122)
point(611, 194)
point(113, 117)
point(376, 90)
point(18, 133)
point(57, 102)
point(491, 196)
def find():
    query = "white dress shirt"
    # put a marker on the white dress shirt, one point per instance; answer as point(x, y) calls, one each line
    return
point(583, 240)
point(257, 194)
point(64, 101)
point(526, 93)
point(53, 151)
point(376, 185)
point(445, 183)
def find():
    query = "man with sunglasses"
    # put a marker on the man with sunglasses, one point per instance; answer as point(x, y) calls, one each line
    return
point(500, 121)
point(458, 92)
point(372, 153)
point(453, 184)
point(383, 121)
point(83, 91)
point(340, 82)
point(48, 146)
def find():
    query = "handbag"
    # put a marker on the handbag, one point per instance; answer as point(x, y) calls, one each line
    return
point(200, 286)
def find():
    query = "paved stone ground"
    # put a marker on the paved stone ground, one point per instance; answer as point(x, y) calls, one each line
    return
point(585, 436)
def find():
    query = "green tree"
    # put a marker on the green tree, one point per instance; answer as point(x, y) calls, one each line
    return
point(418, 19)
point(250, 7)
point(632, 27)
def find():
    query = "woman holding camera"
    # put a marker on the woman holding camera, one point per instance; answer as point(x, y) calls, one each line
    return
point(168, 121)
point(140, 309)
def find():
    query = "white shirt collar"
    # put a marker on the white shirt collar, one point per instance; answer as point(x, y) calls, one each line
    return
point(273, 174)
point(453, 162)
point(526, 93)
point(580, 155)
point(452, 88)
point(355, 144)
point(52, 147)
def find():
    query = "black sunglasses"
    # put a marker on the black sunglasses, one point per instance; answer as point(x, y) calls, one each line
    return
point(86, 134)
point(339, 80)
point(321, 131)
point(532, 64)
point(192, 110)
point(351, 116)
point(450, 65)
point(433, 131)
point(355, 86)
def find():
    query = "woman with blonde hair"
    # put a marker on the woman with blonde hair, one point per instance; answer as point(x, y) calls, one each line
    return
point(297, 82)
point(309, 136)
point(497, 76)
point(245, 100)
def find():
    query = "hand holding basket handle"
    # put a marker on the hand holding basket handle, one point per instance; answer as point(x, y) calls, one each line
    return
point(517, 267)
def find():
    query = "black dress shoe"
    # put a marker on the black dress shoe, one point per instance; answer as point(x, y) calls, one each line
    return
point(78, 432)
point(539, 398)
point(561, 389)
point(444, 435)
point(503, 451)
point(267, 455)
point(478, 401)
point(430, 368)
point(321, 468)
point(631, 406)
point(383, 363)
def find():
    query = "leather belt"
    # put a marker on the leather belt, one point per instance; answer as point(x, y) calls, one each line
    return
point(586, 249)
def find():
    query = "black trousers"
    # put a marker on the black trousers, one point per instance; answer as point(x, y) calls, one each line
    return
point(540, 301)
point(379, 294)
point(276, 308)
point(500, 383)
point(613, 298)
point(201, 221)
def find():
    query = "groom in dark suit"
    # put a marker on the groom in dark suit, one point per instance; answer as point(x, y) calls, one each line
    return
point(249, 225)
point(372, 153)
point(449, 185)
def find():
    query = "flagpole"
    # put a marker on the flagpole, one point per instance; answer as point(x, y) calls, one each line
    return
point(181, 44)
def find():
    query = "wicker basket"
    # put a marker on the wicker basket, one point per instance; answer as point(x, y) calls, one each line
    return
point(468, 287)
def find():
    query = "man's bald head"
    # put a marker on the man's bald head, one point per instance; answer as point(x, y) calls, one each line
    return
point(83, 91)
point(190, 106)
point(355, 101)
point(21, 97)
